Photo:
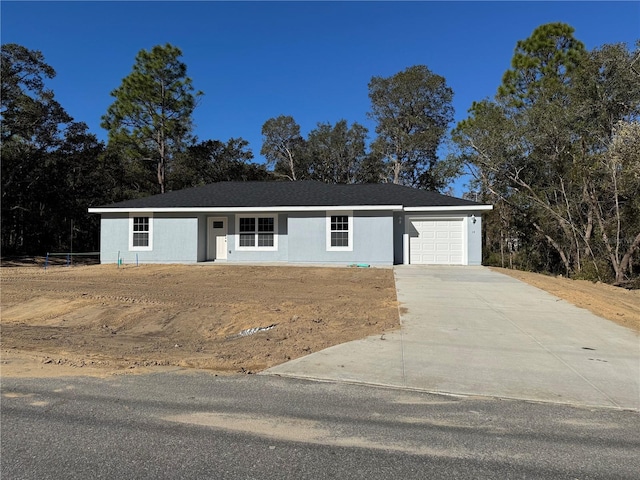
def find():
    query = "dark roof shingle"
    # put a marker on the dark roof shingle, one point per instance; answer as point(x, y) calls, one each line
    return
point(293, 194)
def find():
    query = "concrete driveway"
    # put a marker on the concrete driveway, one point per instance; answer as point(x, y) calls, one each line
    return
point(472, 331)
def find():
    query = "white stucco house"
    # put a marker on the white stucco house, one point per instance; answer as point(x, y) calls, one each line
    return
point(294, 222)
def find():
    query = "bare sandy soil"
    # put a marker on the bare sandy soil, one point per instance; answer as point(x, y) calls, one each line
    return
point(228, 319)
point(101, 320)
point(613, 303)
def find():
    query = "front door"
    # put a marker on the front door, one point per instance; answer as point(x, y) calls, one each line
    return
point(216, 238)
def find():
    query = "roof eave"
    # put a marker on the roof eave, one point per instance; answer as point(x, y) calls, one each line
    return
point(321, 208)
point(450, 208)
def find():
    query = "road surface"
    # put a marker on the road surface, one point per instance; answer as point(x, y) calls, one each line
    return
point(190, 425)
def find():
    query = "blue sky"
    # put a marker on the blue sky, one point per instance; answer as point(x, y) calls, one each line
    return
point(311, 60)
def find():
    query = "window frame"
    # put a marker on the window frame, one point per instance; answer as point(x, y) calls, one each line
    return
point(132, 217)
point(349, 215)
point(256, 233)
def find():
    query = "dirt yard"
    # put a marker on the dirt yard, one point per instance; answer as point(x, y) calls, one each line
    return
point(101, 320)
point(614, 303)
point(79, 319)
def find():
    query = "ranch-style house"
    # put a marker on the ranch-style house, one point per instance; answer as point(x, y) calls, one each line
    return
point(293, 222)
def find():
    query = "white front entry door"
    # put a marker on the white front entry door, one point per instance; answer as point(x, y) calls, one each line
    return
point(216, 238)
point(436, 241)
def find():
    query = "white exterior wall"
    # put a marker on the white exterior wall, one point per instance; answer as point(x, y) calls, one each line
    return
point(372, 239)
point(174, 239)
point(255, 255)
point(378, 238)
point(474, 237)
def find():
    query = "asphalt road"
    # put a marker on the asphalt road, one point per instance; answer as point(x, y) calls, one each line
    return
point(191, 425)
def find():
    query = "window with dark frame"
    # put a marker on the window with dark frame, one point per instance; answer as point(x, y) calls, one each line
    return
point(140, 231)
point(339, 230)
point(265, 231)
point(247, 232)
point(258, 231)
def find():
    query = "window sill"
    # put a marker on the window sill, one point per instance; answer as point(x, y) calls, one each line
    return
point(340, 249)
point(256, 249)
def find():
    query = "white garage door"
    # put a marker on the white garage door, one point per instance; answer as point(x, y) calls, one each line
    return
point(436, 241)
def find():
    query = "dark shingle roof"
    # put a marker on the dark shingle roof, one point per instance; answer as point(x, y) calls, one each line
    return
point(293, 194)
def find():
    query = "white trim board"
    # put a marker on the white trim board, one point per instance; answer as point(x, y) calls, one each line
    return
point(355, 208)
point(462, 208)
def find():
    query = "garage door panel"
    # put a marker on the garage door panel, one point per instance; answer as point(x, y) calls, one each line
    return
point(437, 242)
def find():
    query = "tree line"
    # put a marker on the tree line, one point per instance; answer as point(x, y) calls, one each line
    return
point(53, 168)
point(556, 151)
